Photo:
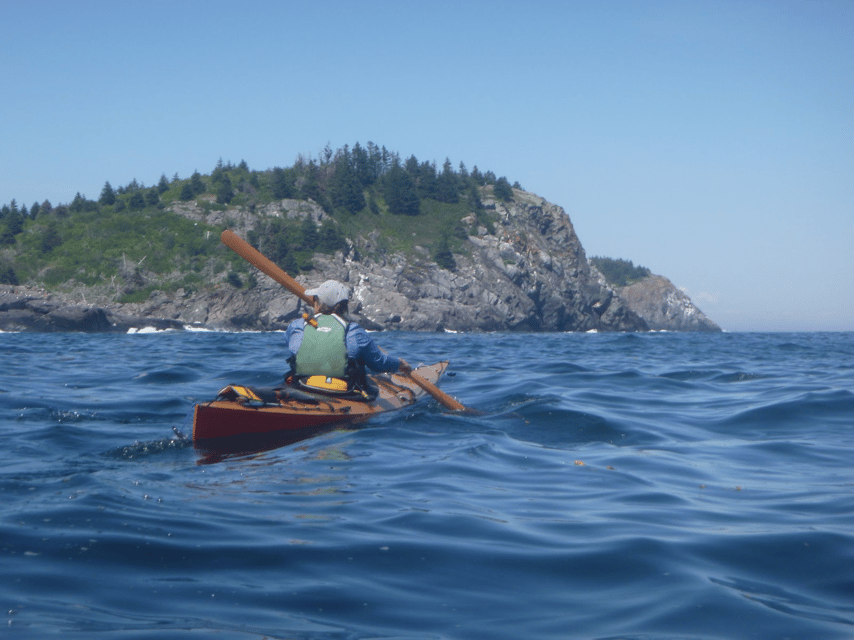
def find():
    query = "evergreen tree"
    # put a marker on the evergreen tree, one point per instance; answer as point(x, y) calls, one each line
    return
point(280, 184)
point(503, 190)
point(345, 189)
point(446, 187)
point(152, 197)
point(413, 168)
point(463, 174)
point(619, 272)
point(474, 197)
point(375, 161)
point(14, 221)
point(76, 204)
point(34, 210)
point(327, 155)
point(224, 190)
point(14, 224)
point(401, 195)
point(163, 185)
point(50, 239)
point(330, 239)
point(197, 183)
point(362, 166)
point(187, 192)
point(137, 200)
point(310, 187)
point(427, 181)
point(108, 196)
point(308, 233)
point(443, 256)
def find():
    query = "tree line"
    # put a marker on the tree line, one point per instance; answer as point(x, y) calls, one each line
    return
point(346, 181)
point(619, 272)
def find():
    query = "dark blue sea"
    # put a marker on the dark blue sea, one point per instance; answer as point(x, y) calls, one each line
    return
point(612, 486)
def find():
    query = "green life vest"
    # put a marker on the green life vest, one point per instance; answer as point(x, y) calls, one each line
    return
point(323, 351)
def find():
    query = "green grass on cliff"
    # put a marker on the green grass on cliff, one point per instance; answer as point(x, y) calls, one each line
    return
point(130, 240)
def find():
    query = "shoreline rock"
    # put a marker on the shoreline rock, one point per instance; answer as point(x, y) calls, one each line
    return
point(528, 273)
point(664, 307)
point(36, 310)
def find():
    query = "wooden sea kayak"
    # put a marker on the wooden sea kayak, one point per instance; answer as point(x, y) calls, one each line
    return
point(246, 411)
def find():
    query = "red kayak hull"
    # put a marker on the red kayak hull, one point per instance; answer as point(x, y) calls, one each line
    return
point(224, 418)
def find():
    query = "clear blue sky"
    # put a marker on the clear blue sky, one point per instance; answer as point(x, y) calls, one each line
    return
point(711, 141)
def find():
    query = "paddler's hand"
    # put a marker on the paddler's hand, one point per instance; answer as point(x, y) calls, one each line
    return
point(404, 367)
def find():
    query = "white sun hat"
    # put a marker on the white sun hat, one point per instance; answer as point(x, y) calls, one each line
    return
point(330, 293)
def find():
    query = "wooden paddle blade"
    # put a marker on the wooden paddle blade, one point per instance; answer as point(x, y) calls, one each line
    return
point(259, 260)
point(437, 393)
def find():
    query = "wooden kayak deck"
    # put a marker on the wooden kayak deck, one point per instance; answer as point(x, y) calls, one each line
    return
point(280, 410)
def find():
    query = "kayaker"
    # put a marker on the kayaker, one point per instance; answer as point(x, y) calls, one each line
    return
point(329, 353)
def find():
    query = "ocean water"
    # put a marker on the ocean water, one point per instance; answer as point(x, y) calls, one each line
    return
point(632, 486)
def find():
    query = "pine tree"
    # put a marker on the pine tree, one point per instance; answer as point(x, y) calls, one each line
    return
point(108, 196)
point(446, 187)
point(280, 184)
point(308, 232)
point(503, 190)
point(362, 166)
point(50, 239)
point(401, 195)
point(76, 204)
point(427, 181)
point(163, 185)
point(197, 184)
point(345, 189)
point(224, 192)
point(152, 197)
point(137, 200)
point(443, 256)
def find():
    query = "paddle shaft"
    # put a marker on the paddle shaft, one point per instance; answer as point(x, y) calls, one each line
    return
point(265, 265)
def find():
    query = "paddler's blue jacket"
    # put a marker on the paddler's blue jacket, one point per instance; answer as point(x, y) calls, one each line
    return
point(361, 347)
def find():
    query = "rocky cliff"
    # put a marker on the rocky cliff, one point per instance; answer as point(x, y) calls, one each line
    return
point(530, 273)
point(664, 307)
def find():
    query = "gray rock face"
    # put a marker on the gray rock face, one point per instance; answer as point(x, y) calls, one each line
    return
point(530, 274)
point(23, 309)
point(664, 307)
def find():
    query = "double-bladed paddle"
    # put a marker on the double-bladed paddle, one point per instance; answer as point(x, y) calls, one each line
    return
point(259, 260)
